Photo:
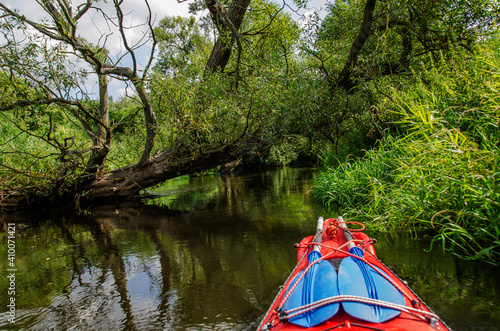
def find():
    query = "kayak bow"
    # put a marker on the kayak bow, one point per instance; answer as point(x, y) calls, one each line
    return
point(339, 283)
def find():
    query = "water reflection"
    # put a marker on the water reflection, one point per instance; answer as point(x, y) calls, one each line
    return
point(206, 253)
point(206, 256)
point(465, 294)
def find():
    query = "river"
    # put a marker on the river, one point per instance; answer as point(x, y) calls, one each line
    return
point(202, 253)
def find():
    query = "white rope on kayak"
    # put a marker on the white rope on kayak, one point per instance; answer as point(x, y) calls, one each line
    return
point(291, 313)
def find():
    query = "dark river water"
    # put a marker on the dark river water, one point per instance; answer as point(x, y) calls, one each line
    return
point(206, 253)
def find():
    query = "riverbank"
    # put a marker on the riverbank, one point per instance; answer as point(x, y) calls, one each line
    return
point(436, 172)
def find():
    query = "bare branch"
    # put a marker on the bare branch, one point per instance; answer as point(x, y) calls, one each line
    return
point(48, 31)
point(63, 28)
point(48, 101)
point(121, 28)
point(83, 10)
point(24, 173)
point(153, 36)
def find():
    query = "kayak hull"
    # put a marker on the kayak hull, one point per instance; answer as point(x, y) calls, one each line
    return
point(411, 313)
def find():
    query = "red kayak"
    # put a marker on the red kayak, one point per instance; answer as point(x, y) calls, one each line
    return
point(340, 284)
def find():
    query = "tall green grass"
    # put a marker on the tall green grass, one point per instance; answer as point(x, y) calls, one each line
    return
point(441, 176)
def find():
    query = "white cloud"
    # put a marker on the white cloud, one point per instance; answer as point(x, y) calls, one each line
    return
point(93, 25)
point(96, 29)
point(160, 8)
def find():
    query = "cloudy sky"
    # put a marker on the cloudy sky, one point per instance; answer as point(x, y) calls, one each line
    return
point(159, 7)
point(94, 27)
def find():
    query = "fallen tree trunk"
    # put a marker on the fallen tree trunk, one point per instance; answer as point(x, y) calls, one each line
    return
point(130, 180)
point(123, 183)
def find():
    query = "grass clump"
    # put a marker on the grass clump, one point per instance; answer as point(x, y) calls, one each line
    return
point(440, 174)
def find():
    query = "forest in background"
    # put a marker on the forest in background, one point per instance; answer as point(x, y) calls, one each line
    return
point(397, 99)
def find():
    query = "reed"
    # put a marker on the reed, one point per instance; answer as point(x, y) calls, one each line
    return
point(441, 176)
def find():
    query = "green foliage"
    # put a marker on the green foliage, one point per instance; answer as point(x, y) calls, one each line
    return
point(337, 31)
point(38, 142)
point(440, 176)
point(350, 183)
point(180, 43)
point(197, 110)
point(281, 155)
point(402, 35)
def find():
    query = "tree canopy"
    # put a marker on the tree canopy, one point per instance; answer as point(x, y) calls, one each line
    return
point(251, 81)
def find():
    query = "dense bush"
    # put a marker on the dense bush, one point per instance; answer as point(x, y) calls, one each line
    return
point(440, 176)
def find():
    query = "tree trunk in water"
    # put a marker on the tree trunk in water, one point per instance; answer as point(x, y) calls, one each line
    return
point(130, 180)
point(126, 182)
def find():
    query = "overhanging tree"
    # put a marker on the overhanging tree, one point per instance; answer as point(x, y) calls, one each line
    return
point(363, 44)
point(47, 67)
point(391, 35)
point(77, 135)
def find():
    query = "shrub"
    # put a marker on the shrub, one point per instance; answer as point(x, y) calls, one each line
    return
point(441, 175)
